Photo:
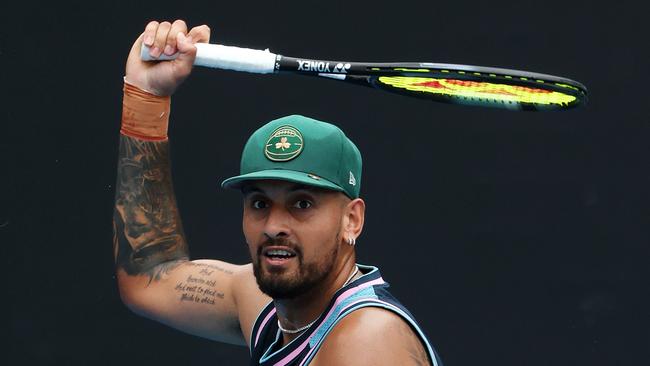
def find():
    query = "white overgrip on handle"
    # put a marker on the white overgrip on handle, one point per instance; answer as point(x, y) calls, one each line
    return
point(225, 57)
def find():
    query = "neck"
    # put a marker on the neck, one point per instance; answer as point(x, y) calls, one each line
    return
point(304, 309)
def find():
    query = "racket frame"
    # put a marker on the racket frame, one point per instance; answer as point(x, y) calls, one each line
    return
point(368, 74)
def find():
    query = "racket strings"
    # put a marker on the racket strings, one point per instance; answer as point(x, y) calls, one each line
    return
point(483, 92)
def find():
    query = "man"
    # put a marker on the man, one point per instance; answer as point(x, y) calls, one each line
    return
point(302, 300)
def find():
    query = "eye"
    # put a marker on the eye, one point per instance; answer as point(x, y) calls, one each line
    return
point(302, 204)
point(258, 204)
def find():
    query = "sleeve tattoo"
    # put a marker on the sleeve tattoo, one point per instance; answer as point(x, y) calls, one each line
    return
point(148, 235)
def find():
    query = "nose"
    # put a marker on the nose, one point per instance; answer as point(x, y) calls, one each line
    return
point(276, 224)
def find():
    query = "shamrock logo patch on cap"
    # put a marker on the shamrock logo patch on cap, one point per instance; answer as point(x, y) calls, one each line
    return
point(284, 144)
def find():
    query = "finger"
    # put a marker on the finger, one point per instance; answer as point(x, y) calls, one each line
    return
point(185, 45)
point(150, 33)
point(200, 34)
point(186, 53)
point(177, 26)
point(160, 39)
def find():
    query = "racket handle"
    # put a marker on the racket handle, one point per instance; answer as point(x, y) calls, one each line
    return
point(225, 57)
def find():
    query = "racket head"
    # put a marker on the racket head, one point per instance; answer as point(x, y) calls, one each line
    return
point(478, 86)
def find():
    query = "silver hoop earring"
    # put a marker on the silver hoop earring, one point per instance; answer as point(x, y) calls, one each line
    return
point(351, 241)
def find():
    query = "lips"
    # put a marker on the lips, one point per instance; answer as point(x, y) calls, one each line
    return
point(278, 255)
point(278, 252)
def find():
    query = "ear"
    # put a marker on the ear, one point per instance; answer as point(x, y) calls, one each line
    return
point(353, 218)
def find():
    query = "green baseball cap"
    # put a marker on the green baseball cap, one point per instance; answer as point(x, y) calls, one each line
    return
point(302, 150)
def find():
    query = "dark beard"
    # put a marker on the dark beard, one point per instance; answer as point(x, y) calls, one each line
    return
point(308, 275)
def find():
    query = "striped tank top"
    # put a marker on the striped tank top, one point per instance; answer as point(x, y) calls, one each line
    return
point(368, 290)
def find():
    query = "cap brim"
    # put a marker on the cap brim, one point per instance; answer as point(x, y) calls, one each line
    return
point(281, 174)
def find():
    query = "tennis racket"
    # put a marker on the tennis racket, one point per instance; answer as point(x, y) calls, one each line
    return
point(448, 83)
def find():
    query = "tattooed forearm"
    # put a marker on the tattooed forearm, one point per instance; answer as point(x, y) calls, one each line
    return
point(148, 237)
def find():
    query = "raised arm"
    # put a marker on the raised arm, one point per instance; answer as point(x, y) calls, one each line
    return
point(209, 298)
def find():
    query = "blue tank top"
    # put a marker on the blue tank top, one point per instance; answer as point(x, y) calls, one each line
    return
point(365, 291)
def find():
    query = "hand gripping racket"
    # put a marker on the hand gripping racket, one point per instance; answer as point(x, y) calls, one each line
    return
point(448, 83)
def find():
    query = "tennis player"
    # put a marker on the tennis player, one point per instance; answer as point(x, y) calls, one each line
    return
point(303, 299)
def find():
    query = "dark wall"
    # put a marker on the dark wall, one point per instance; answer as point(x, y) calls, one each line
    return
point(515, 238)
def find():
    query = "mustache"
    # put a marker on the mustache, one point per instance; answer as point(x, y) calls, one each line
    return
point(281, 241)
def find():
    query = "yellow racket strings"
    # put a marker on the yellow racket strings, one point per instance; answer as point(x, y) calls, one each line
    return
point(480, 91)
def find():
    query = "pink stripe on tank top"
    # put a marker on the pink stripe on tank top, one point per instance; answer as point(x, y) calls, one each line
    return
point(259, 330)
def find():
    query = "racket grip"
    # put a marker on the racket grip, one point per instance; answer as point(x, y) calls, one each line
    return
point(224, 57)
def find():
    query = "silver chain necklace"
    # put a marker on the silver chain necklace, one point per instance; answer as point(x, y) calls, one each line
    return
point(303, 328)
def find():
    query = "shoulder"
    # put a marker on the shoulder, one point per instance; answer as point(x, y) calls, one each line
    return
point(372, 336)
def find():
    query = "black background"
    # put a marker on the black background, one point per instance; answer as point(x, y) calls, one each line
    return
point(515, 238)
